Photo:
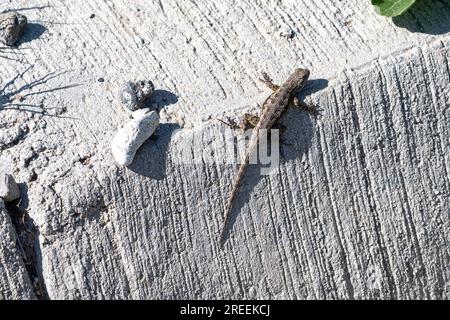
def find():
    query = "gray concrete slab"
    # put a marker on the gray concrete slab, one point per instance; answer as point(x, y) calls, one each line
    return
point(358, 207)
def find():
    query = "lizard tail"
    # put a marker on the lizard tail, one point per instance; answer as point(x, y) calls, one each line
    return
point(234, 191)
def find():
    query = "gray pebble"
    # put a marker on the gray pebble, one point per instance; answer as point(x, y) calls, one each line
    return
point(12, 27)
point(287, 32)
point(134, 94)
point(9, 191)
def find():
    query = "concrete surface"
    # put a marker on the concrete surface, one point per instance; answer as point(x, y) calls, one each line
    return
point(358, 208)
point(14, 280)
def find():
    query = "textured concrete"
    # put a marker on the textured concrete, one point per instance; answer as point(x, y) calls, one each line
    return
point(14, 280)
point(358, 208)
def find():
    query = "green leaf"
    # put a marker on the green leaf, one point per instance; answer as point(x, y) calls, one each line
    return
point(392, 8)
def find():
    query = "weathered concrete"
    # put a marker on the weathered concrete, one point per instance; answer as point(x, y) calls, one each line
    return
point(357, 209)
point(14, 280)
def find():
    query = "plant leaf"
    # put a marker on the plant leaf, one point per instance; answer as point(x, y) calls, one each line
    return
point(392, 8)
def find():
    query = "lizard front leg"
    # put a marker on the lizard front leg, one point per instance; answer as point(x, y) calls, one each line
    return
point(230, 123)
point(249, 121)
point(268, 82)
point(293, 101)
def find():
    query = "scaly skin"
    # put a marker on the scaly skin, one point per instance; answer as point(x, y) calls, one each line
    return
point(272, 109)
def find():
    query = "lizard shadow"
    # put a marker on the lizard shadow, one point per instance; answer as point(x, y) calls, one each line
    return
point(426, 16)
point(297, 131)
point(312, 86)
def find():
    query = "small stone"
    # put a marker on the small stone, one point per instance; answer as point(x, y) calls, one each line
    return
point(9, 191)
point(132, 136)
point(287, 32)
point(134, 94)
point(138, 40)
point(12, 27)
point(252, 293)
point(101, 80)
point(92, 16)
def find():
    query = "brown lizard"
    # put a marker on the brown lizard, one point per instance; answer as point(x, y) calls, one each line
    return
point(272, 109)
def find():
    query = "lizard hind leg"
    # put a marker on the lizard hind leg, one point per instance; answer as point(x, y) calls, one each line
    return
point(268, 82)
point(230, 123)
point(249, 121)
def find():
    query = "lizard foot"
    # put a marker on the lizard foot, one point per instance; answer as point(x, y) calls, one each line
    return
point(230, 123)
point(268, 82)
point(249, 121)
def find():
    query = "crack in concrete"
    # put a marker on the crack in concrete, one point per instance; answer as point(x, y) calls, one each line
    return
point(28, 243)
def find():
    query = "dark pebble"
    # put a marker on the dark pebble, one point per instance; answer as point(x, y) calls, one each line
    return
point(12, 27)
point(134, 94)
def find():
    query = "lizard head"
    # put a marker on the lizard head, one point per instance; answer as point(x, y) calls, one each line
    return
point(298, 78)
point(301, 74)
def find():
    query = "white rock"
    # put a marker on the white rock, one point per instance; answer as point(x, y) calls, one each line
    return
point(9, 191)
point(131, 137)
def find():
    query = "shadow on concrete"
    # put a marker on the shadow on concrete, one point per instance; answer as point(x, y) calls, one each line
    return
point(426, 16)
point(150, 160)
point(27, 9)
point(296, 135)
point(14, 98)
point(12, 54)
point(28, 241)
point(312, 86)
point(32, 32)
point(161, 99)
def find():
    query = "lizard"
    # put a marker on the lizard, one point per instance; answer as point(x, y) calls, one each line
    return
point(272, 109)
